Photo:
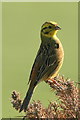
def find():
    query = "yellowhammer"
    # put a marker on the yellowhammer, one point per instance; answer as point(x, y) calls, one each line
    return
point(48, 61)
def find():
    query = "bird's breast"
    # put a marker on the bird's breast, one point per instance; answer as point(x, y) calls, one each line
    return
point(58, 55)
point(58, 50)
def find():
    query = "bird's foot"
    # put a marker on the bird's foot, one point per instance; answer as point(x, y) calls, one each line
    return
point(54, 81)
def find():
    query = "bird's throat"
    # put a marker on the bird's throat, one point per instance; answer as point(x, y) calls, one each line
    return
point(51, 34)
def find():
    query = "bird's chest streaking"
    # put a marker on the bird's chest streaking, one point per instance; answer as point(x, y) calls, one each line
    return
point(53, 55)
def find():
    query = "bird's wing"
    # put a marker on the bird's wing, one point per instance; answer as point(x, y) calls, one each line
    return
point(45, 63)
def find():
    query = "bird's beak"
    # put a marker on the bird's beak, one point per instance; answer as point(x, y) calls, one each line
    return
point(57, 28)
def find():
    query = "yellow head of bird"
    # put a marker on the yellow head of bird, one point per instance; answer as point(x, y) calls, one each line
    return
point(49, 29)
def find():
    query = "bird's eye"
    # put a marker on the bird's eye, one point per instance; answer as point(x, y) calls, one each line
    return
point(50, 27)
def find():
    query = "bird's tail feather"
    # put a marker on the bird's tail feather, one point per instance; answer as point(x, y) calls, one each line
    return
point(26, 99)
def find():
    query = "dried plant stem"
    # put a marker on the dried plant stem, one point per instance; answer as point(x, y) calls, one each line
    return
point(68, 107)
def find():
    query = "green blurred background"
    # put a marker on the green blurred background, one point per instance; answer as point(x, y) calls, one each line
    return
point(21, 39)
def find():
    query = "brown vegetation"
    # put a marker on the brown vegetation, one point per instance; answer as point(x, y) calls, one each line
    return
point(67, 107)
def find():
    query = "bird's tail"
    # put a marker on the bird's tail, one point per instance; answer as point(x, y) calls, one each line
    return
point(27, 99)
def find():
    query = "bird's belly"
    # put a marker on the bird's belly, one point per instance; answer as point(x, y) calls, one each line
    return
point(52, 73)
point(59, 58)
point(56, 66)
point(55, 73)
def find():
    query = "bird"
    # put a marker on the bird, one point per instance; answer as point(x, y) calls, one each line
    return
point(48, 61)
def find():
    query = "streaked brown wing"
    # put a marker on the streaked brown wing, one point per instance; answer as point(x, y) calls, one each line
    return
point(36, 65)
point(45, 63)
